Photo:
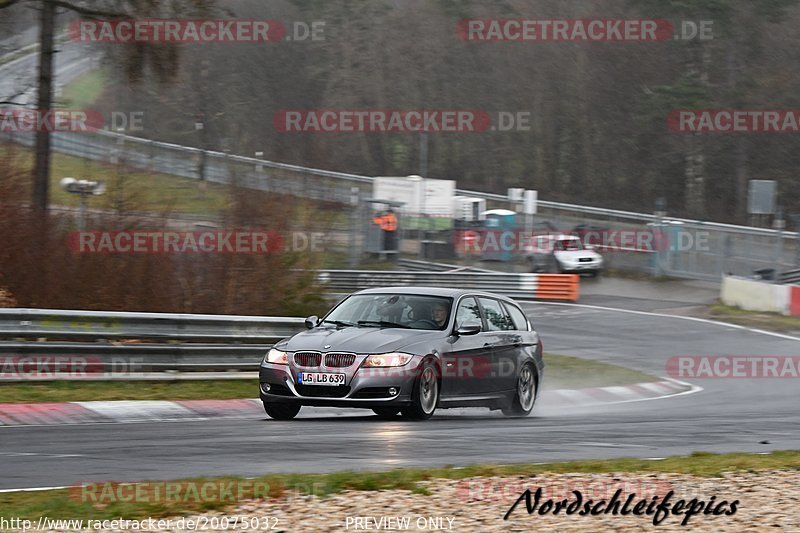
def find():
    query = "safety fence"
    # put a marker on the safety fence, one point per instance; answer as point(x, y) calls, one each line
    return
point(697, 249)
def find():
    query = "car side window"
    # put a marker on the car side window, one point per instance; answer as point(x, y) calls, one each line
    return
point(467, 310)
point(518, 317)
point(496, 317)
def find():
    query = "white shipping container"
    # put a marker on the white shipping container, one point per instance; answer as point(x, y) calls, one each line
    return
point(420, 196)
point(469, 209)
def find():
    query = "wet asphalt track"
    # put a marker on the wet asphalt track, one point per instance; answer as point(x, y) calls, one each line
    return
point(728, 415)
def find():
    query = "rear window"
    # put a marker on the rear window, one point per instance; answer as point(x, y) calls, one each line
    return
point(518, 317)
point(496, 317)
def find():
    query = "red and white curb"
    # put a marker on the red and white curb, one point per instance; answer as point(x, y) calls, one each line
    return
point(124, 411)
point(637, 392)
point(38, 414)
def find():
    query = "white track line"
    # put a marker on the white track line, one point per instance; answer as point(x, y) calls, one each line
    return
point(663, 315)
point(33, 489)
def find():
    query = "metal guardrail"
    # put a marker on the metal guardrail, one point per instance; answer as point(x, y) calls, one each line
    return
point(41, 343)
point(520, 286)
point(110, 326)
point(427, 266)
point(790, 277)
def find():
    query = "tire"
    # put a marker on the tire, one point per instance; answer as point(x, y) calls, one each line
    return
point(282, 411)
point(525, 396)
point(386, 413)
point(554, 267)
point(426, 393)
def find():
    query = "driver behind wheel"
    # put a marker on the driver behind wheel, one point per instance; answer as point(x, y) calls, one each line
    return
point(440, 315)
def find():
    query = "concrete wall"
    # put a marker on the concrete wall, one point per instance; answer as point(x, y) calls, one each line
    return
point(755, 295)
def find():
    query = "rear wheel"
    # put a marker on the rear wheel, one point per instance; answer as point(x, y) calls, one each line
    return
point(282, 411)
point(386, 413)
point(426, 393)
point(525, 396)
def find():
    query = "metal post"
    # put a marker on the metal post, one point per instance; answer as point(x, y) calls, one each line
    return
point(260, 170)
point(423, 154)
point(201, 171)
point(119, 198)
point(82, 212)
point(779, 224)
point(660, 213)
point(423, 171)
point(796, 220)
point(355, 203)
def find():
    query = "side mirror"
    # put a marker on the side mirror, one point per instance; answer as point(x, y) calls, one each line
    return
point(312, 322)
point(470, 327)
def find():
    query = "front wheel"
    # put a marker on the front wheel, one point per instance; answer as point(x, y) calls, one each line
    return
point(282, 411)
point(525, 396)
point(426, 393)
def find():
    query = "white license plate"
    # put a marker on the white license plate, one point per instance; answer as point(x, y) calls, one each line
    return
point(317, 378)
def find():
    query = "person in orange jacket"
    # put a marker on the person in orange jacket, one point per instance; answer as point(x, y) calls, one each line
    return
point(388, 224)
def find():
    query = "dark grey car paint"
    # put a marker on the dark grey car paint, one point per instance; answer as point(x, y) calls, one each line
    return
point(476, 370)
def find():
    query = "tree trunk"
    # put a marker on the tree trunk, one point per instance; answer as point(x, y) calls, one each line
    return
point(41, 178)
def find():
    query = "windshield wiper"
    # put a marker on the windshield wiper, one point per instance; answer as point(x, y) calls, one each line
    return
point(382, 323)
point(339, 323)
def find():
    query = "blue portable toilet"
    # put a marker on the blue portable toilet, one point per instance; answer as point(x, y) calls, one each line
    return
point(499, 240)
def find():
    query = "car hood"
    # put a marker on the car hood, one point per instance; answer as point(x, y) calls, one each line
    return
point(574, 255)
point(357, 339)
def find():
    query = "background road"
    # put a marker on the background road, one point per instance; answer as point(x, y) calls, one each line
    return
point(728, 415)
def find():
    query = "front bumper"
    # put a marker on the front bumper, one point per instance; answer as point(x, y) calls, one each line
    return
point(582, 267)
point(363, 387)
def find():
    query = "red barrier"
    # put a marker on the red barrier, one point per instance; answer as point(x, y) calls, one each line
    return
point(794, 300)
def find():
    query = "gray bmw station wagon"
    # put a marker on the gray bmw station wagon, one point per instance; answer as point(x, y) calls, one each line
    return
point(408, 350)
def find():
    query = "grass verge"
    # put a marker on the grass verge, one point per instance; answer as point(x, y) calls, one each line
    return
point(561, 372)
point(566, 372)
point(140, 190)
point(84, 391)
point(70, 504)
point(769, 321)
point(84, 91)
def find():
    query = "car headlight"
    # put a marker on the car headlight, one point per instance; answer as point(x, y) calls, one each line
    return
point(386, 360)
point(276, 357)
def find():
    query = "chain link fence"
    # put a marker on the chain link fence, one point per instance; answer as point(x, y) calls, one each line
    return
point(696, 250)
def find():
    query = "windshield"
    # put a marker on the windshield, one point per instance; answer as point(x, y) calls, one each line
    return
point(410, 311)
point(567, 245)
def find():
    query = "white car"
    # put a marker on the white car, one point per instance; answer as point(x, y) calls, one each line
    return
point(563, 254)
